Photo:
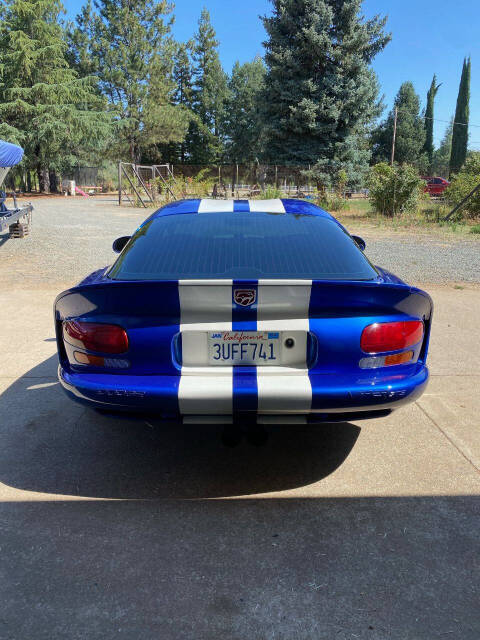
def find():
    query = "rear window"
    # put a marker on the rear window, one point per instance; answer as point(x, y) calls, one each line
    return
point(241, 246)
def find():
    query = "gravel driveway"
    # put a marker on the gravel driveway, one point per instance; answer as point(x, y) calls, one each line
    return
point(72, 237)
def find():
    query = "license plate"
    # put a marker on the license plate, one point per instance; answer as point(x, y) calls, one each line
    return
point(260, 348)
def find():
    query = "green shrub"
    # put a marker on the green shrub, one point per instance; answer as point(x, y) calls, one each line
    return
point(330, 201)
point(394, 190)
point(462, 184)
point(475, 228)
point(198, 186)
point(270, 193)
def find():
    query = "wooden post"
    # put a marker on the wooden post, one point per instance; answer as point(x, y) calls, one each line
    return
point(119, 184)
point(394, 135)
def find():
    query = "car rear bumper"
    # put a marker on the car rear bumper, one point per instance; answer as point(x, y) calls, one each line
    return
point(331, 398)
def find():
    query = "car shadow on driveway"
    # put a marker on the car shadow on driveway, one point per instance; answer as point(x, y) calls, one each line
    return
point(52, 445)
point(402, 568)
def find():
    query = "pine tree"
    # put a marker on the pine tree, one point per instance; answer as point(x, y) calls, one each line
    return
point(462, 114)
point(205, 144)
point(410, 138)
point(183, 75)
point(429, 121)
point(441, 157)
point(183, 94)
point(320, 90)
point(80, 53)
point(128, 44)
point(243, 124)
point(55, 114)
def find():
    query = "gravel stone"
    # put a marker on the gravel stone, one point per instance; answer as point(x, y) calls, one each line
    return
point(72, 237)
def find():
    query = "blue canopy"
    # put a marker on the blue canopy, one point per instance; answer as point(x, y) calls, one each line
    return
point(10, 154)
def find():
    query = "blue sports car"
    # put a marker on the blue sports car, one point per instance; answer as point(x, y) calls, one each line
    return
point(261, 310)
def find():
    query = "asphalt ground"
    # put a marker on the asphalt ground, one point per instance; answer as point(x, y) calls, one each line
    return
point(115, 528)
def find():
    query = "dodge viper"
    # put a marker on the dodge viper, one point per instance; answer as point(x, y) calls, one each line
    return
point(230, 310)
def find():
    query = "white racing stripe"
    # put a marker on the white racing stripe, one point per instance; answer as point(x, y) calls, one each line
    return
point(269, 206)
point(204, 308)
point(285, 308)
point(212, 206)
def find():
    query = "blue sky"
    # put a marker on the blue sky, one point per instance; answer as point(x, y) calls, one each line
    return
point(428, 37)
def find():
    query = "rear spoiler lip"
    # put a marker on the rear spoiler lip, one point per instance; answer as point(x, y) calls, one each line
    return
point(100, 282)
point(380, 285)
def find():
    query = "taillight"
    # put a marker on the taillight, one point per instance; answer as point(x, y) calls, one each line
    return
point(93, 336)
point(391, 336)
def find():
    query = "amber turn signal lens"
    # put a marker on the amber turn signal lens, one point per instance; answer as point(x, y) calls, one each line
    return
point(86, 358)
point(398, 358)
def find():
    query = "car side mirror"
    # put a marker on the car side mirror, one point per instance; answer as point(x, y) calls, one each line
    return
point(360, 242)
point(119, 244)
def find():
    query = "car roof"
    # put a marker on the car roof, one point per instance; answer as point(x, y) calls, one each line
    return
point(291, 206)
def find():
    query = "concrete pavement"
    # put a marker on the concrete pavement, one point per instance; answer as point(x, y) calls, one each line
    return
point(122, 528)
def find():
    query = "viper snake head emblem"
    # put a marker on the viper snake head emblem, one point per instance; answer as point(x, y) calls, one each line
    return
point(245, 297)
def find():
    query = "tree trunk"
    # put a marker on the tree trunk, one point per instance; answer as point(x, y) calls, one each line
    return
point(133, 151)
point(29, 182)
point(43, 180)
point(52, 176)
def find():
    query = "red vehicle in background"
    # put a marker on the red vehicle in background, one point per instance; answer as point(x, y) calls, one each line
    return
point(436, 186)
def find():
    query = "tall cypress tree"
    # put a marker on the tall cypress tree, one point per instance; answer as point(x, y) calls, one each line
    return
point(56, 114)
point(462, 114)
point(320, 90)
point(429, 121)
point(205, 144)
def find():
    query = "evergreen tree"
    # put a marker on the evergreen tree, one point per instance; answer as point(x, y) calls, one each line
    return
point(410, 138)
point(243, 123)
point(129, 47)
point(183, 75)
point(182, 95)
point(205, 144)
point(80, 54)
point(441, 157)
point(429, 121)
point(54, 114)
point(462, 114)
point(319, 89)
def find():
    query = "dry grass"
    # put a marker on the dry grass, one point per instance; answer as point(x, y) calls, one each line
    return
point(428, 219)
